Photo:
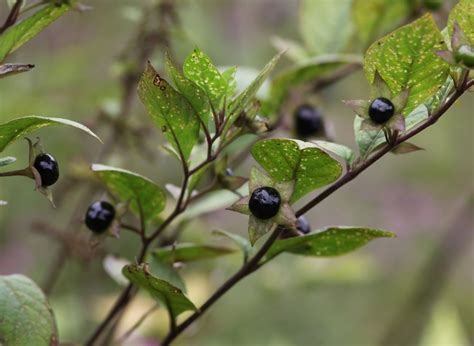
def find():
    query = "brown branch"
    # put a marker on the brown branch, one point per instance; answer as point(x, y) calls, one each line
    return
point(12, 16)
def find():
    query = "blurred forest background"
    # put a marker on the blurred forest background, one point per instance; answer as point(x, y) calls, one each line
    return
point(425, 197)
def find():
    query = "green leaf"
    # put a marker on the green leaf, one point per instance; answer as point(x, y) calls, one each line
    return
point(245, 98)
point(25, 315)
point(192, 92)
point(187, 252)
point(286, 159)
point(367, 140)
point(134, 188)
point(19, 34)
point(8, 160)
point(325, 26)
point(167, 272)
point(307, 71)
point(14, 129)
point(171, 296)
point(374, 18)
point(418, 115)
point(338, 149)
point(170, 111)
point(199, 68)
point(11, 69)
point(332, 241)
point(229, 76)
point(406, 60)
point(241, 242)
point(463, 14)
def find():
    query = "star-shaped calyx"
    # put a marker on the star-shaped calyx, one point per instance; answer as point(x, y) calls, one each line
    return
point(383, 110)
point(267, 205)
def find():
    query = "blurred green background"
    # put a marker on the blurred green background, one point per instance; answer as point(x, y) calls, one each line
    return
point(351, 300)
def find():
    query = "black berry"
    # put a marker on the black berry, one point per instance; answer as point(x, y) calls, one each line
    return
point(308, 121)
point(48, 169)
point(265, 202)
point(381, 110)
point(302, 224)
point(99, 216)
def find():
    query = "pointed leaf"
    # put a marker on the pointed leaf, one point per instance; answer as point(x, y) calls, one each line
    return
point(188, 252)
point(199, 68)
point(258, 228)
point(242, 242)
point(405, 148)
point(26, 317)
point(19, 34)
point(462, 13)
point(192, 92)
point(340, 150)
point(167, 272)
point(308, 165)
point(245, 98)
point(171, 296)
point(170, 111)
point(11, 69)
point(406, 59)
point(134, 188)
point(367, 140)
point(17, 128)
point(333, 241)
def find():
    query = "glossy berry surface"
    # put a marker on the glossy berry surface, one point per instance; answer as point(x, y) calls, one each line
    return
point(308, 121)
point(381, 110)
point(302, 224)
point(48, 169)
point(265, 202)
point(99, 216)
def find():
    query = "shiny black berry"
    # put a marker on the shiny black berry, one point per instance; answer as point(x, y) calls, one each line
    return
point(48, 169)
point(308, 121)
point(99, 216)
point(381, 110)
point(265, 202)
point(302, 224)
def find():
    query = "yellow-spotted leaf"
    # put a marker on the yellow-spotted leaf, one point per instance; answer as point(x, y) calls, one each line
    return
point(463, 14)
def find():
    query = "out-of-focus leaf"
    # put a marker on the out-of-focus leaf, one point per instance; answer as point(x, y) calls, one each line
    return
point(26, 317)
point(293, 49)
point(113, 267)
point(11, 69)
point(167, 272)
point(333, 241)
point(241, 102)
point(8, 160)
point(374, 18)
point(326, 26)
point(170, 111)
point(199, 68)
point(406, 60)
point(171, 296)
point(463, 14)
point(187, 252)
point(242, 242)
point(287, 159)
point(134, 188)
point(338, 149)
point(19, 34)
point(305, 71)
point(14, 129)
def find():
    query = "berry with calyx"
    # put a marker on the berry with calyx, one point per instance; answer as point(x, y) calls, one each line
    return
point(48, 169)
point(302, 225)
point(381, 110)
point(265, 202)
point(308, 121)
point(99, 216)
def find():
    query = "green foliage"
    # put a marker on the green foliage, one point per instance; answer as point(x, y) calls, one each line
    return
point(463, 14)
point(406, 59)
point(26, 317)
point(171, 296)
point(187, 252)
point(340, 150)
point(333, 241)
point(141, 192)
point(240, 241)
point(305, 163)
point(19, 34)
point(368, 139)
point(17, 128)
point(166, 271)
point(325, 26)
point(170, 111)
